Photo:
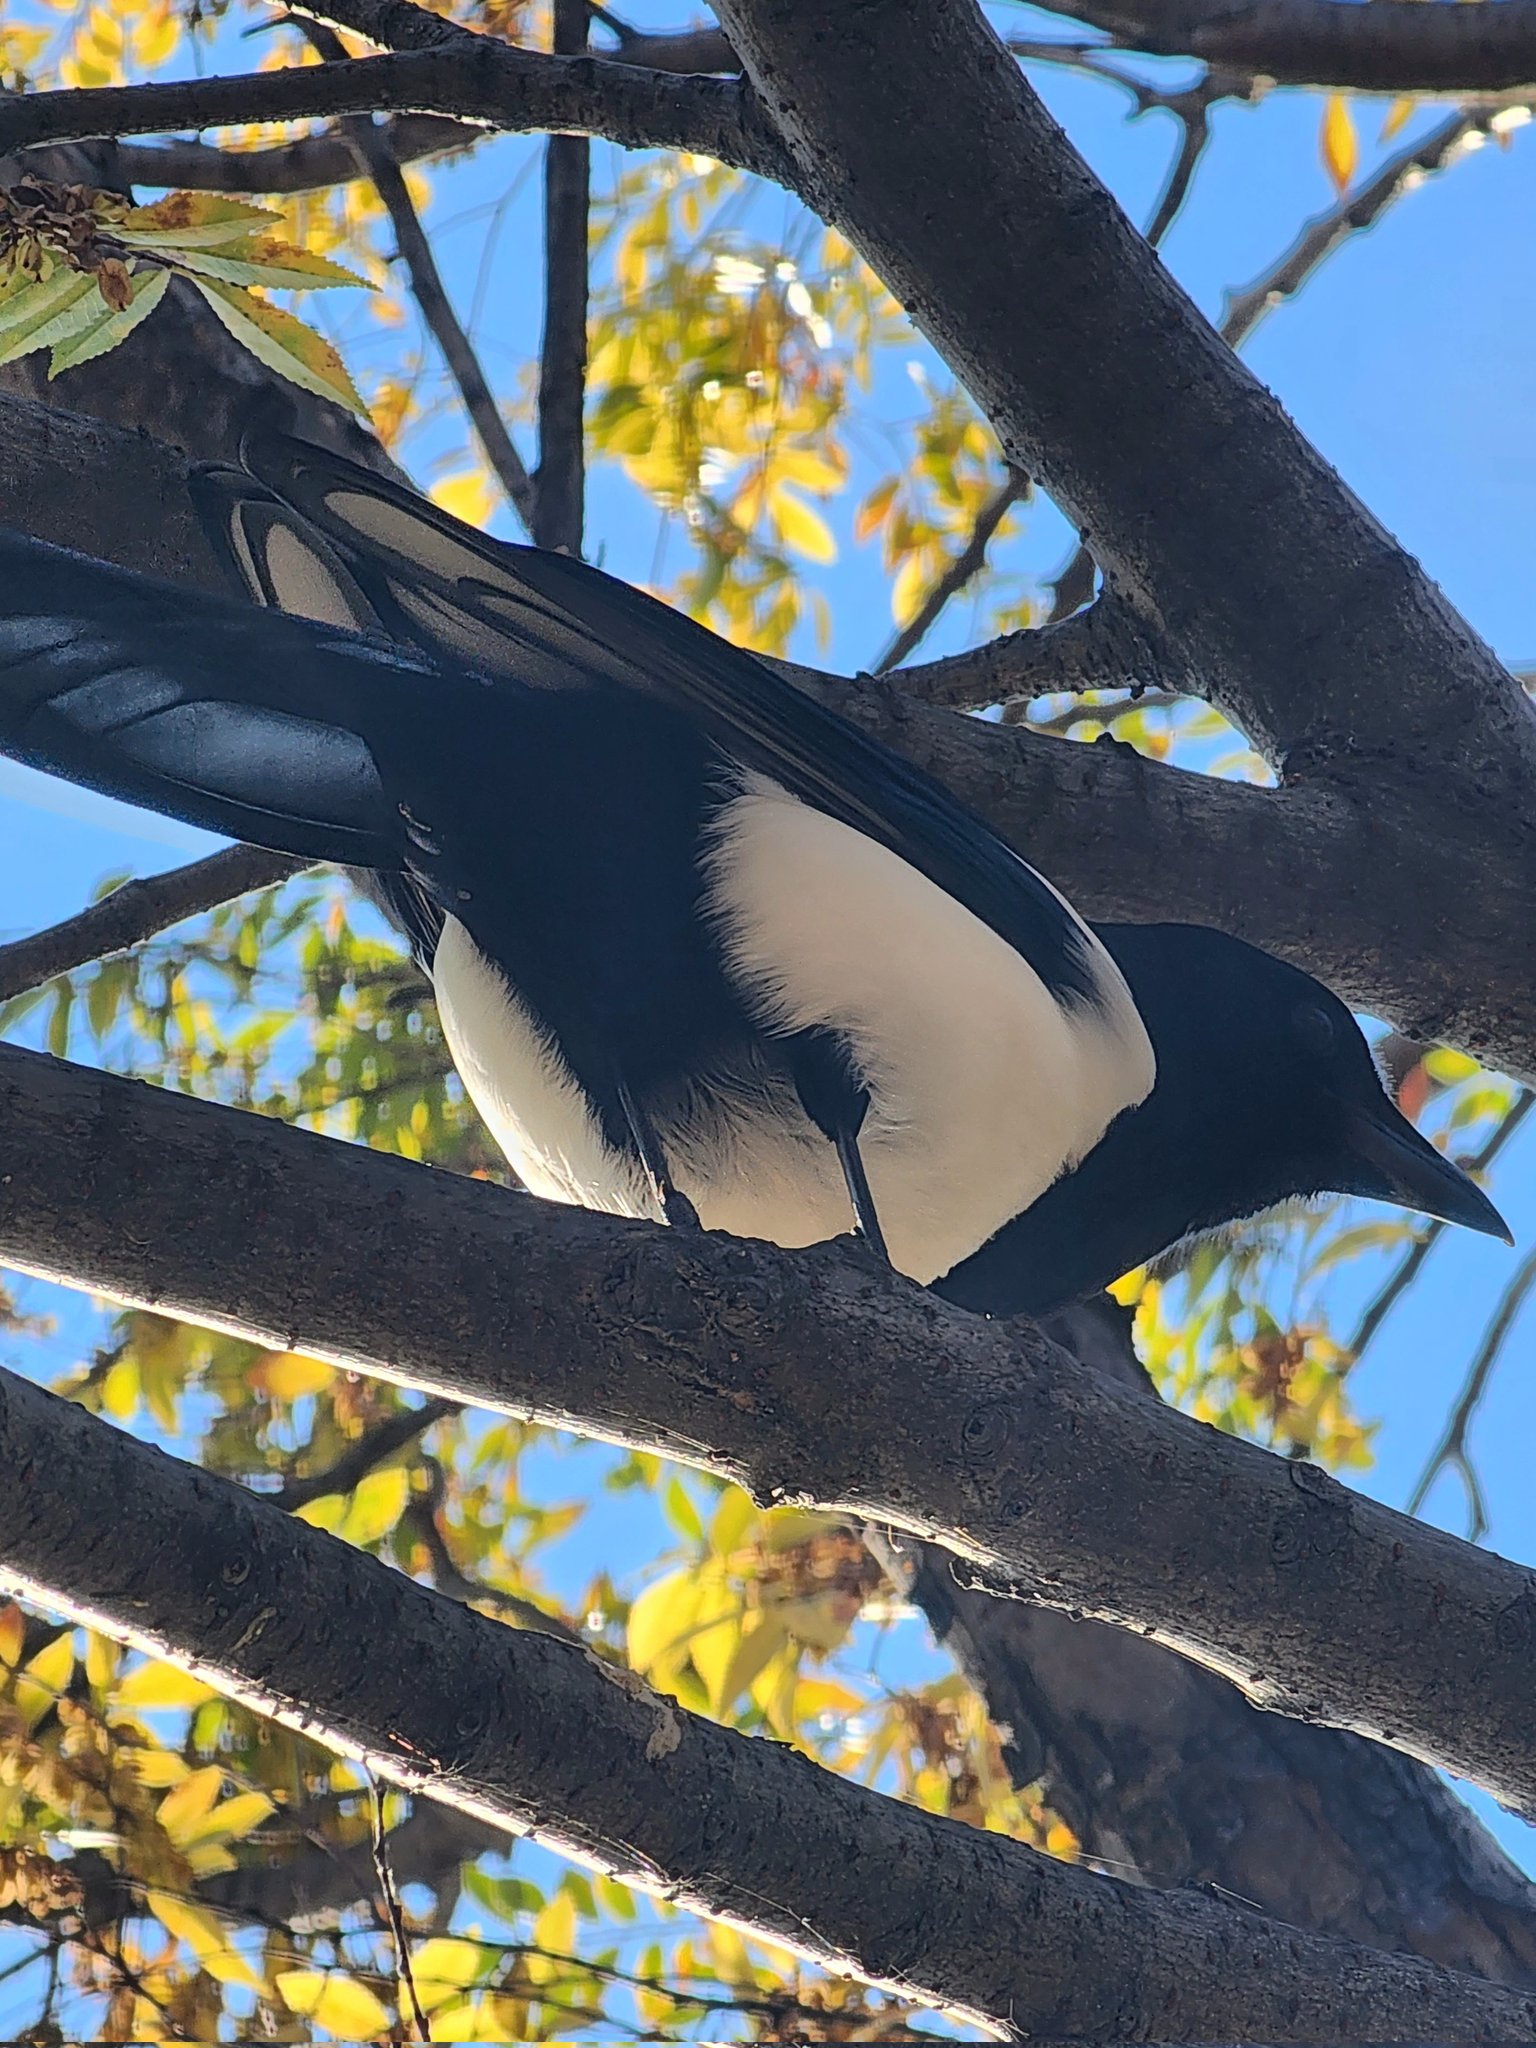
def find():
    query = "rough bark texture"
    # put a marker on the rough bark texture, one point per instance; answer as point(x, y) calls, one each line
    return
point(516, 1727)
point(1164, 1768)
point(812, 1376)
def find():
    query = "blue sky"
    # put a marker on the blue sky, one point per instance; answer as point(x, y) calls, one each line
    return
point(1407, 361)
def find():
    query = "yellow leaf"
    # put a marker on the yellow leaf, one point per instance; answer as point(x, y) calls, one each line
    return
point(185, 1806)
point(1398, 116)
point(874, 508)
point(162, 1685)
point(155, 37)
point(29, 318)
point(472, 2019)
point(716, 1634)
point(448, 1963)
point(208, 1859)
point(554, 1930)
point(282, 343)
point(207, 1938)
point(1339, 143)
point(289, 1375)
point(159, 1769)
point(340, 2004)
point(193, 220)
point(751, 1655)
point(45, 1678)
point(13, 1634)
point(102, 1658)
point(660, 1620)
point(801, 529)
point(229, 1822)
point(910, 587)
point(468, 495)
point(376, 1505)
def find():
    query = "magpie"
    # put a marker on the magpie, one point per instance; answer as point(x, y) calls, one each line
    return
point(703, 951)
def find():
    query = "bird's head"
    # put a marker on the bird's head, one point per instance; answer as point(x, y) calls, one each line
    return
point(1266, 1091)
point(1267, 1079)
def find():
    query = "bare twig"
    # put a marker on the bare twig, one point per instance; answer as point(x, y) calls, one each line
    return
point(1323, 234)
point(1403, 1275)
point(1452, 1450)
point(371, 145)
point(558, 499)
point(968, 563)
point(392, 1912)
point(137, 911)
point(420, 1520)
point(382, 1441)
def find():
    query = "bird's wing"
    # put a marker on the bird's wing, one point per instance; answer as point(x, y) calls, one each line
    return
point(232, 718)
point(552, 622)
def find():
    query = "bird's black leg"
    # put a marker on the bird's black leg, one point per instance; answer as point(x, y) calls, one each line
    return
point(674, 1204)
point(837, 1105)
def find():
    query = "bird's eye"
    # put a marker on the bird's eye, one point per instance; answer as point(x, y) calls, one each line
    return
point(1316, 1030)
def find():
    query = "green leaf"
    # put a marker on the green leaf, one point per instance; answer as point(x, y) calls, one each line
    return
point(276, 266)
point(284, 344)
point(680, 1511)
point(110, 328)
point(31, 318)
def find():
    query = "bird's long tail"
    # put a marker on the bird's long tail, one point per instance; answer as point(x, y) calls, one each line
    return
point(240, 720)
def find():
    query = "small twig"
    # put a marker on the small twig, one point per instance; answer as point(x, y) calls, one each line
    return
point(1322, 235)
point(371, 144)
point(1195, 124)
point(1452, 1448)
point(560, 484)
point(420, 1518)
point(136, 912)
point(1402, 1277)
point(968, 563)
point(382, 1441)
point(392, 1910)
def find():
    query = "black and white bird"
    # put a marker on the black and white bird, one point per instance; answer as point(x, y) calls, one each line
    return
point(702, 950)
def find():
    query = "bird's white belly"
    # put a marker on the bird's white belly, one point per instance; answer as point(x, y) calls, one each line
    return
point(983, 1089)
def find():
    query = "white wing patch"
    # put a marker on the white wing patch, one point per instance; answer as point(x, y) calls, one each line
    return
point(983, 1089)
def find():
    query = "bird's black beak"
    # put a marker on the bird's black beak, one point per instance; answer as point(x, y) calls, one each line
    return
point(1400, 1166)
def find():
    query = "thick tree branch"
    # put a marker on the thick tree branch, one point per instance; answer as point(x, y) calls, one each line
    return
point(517, 1728)
point(136, 912)
point(1210, 516)
point(479, 80)
point(1164, 1770)
point(814, 1377)
point(1398, 46)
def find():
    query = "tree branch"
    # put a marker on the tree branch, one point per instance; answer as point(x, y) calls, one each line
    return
point(520, 1729)
point(1399, 47)
point(308, 165)
point(814, 1377)
point(1104, 383)
point(1101, 647)
point(1163, 1770)
point(970, 561)
point(372, 150)
point(559, 514)
point(481, 81)
point(1322, 235)
point(1452, 1448)
point(136, 912)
